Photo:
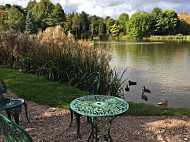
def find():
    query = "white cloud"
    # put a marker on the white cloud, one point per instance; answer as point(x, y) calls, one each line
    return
point(112, 8)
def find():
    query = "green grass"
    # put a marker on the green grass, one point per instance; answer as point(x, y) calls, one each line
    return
point(42, 91)
point(38, 89)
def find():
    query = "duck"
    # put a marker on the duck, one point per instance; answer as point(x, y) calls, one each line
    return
point(146, 90)
point(132, 83)
point(163, 104)
point(144, 97)
point(127, 88)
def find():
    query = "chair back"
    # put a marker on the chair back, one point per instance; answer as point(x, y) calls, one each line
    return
point(12, 131)
point(93, 82)
point(3, 89)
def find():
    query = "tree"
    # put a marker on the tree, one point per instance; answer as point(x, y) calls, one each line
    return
point(123, 18)
point(102, 27)
point(184, 23)
point(157, 15)
point(75, 25)
point(94, 25)
point(139, 25)
point(114, 29)
point(30, 25)
point(109, 22)
point(172, 22)
point(41, 11)
point(31, 4)
point(84, 25)
point(15, 19)
point(57, 17)
point(3, 15)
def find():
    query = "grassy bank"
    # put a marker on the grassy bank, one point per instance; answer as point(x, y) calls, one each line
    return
point(170, 37)
point(42, 91)
point(167, 37)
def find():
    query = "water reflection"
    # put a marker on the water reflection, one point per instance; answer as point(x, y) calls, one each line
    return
point(163, 67)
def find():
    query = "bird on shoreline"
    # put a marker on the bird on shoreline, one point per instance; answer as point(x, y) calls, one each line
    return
point(163, 104)
point(132, 83)
point(144, 97)
point(146, 90)
point(127, 88)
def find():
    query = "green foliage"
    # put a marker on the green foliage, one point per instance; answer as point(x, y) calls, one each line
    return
point(94, 25)
point(123, 18)
point(109, 22)
point(30, 25)
point(31, 4)
point(75, 25)
point(41, 11)
point(16, 19)
point(114, 30)
point(139, 25)
point(84, 25)
point(57, 17)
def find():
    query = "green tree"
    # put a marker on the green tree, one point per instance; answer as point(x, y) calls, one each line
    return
point(84, 25)
point(114, 29)
point(57, 17)
point(123, 18)
point(31, 4)
point(109, 22)
point(173, 22)
point(15, 19)
point(102, 28)
point(94, 25)
point(30, 25)
point(139, 25)
point(75, 25)
point(41, 11)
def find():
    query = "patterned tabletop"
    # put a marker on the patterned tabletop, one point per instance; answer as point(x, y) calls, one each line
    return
point(99, 105)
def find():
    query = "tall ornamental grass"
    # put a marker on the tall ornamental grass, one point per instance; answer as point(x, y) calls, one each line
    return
point(58, 57)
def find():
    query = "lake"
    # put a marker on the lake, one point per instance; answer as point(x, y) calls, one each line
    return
point(162, 67)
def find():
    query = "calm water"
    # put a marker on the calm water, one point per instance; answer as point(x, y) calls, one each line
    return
point(163, 67)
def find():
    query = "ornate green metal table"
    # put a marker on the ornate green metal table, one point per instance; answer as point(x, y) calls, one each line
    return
point(98, 106)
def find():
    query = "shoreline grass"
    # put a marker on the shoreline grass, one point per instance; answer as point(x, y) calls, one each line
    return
point(41, 91)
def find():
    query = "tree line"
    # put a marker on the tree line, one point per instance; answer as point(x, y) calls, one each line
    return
point(43, 14)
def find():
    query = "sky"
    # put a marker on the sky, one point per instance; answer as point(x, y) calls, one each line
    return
point(112, 8)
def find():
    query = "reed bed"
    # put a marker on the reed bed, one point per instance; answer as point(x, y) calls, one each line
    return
point(58, 57)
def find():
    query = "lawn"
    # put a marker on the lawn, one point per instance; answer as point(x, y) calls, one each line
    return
point(41, 91)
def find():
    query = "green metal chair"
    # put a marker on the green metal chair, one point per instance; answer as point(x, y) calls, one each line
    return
point(12, 107)
point(92, 85)
point(12, 131)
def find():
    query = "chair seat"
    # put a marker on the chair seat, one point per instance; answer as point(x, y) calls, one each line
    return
point(12, 104)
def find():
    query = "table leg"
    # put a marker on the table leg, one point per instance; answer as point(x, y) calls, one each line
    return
point(78, 123)
point(109, 127)
point(94, 131)
point(71, 112)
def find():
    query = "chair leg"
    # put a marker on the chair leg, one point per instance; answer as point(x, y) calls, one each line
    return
point(71, 112)
point(26, 110)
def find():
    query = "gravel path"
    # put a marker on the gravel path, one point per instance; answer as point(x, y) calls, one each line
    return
point(50, 124)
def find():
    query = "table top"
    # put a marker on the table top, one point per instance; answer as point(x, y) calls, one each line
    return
point(99, 105)
point(13, 103)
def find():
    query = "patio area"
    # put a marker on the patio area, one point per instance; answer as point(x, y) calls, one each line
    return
point(48, 124)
